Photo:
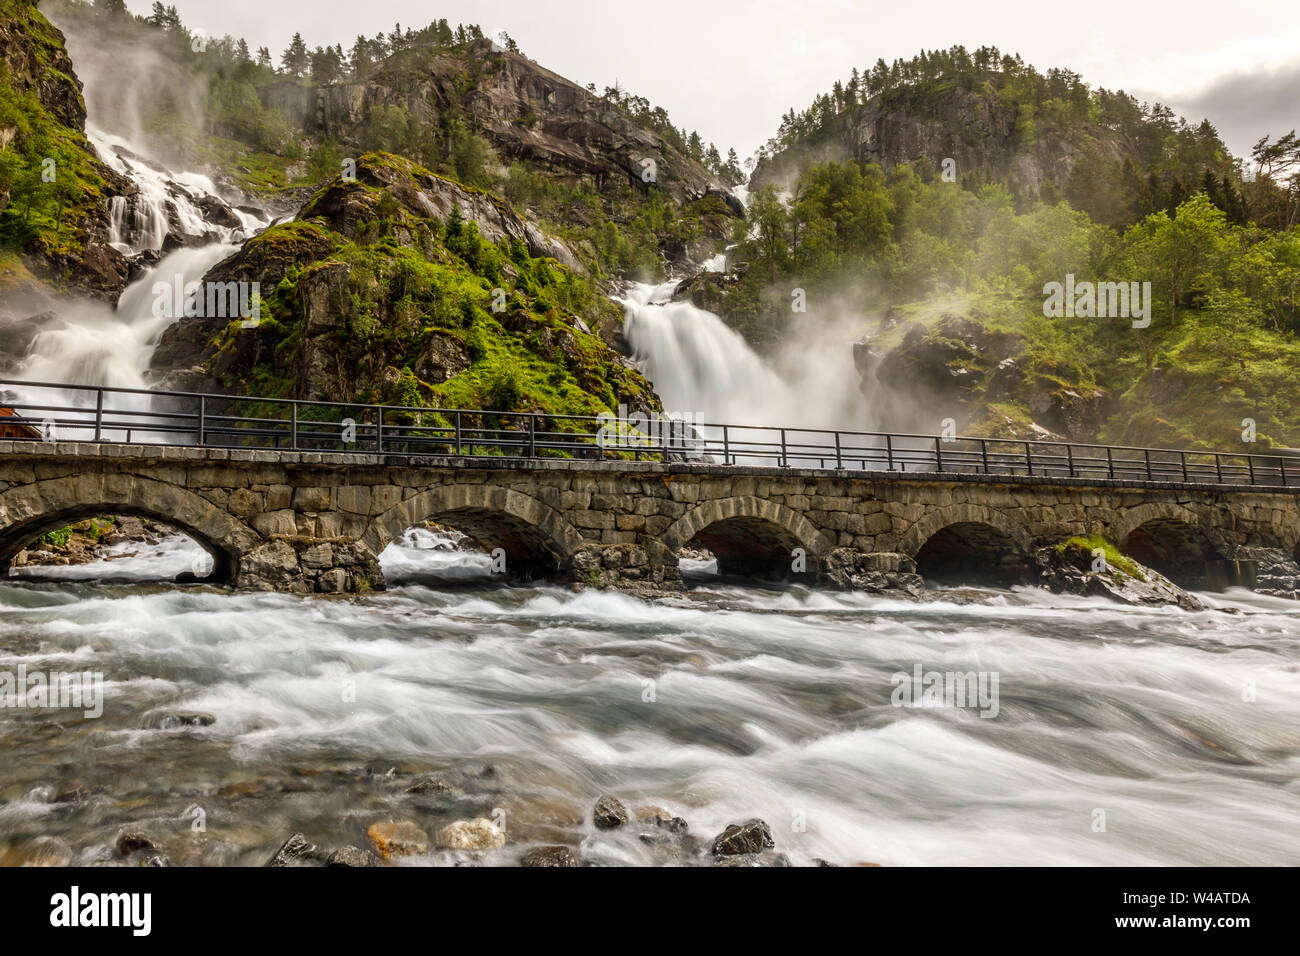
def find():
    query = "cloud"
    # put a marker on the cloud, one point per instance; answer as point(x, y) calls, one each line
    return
point(1247, 105)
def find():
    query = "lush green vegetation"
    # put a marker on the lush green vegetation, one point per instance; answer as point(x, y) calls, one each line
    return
point(1082, 547)
point(403, 292)
point(50, 179)
point(1225, 312)
point(1134, 158)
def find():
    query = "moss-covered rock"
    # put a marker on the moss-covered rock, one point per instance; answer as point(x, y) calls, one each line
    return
point(404, 287)
point(53, 187)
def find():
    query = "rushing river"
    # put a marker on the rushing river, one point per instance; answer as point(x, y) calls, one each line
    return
point(1122, 736)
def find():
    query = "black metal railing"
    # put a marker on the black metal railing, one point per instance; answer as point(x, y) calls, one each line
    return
point(57, 412)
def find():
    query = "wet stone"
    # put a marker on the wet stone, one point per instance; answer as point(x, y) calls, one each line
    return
point(609, 813)
point(427, 785)
point(477, 834)
point(752, 836)
point(296, 851)
point(753, 859)
point(132, 841)
point(549, 856)
point(401, 838)
point(352, 856)
point(179, 720)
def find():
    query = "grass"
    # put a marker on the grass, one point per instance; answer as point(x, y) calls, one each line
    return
point(1115, 559)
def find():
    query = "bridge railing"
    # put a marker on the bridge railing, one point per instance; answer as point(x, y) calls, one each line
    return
point(59, 412)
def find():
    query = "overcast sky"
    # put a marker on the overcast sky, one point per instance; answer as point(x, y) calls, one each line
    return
point(730, 69)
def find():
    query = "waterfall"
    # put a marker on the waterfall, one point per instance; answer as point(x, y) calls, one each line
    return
point(142, 221)
point(704, 370)
point(90, 343)
point(86, 342)
point(700, 368)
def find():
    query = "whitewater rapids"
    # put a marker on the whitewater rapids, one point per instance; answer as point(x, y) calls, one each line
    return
point(773, 703)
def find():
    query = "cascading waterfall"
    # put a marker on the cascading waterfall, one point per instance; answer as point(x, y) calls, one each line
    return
point(699, 366)
point(703, 370)
point(142, 221)
point(90, 343)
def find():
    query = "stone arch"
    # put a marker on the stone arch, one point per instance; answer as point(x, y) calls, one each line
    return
point(746, 534)
point(1131, 519)
point(28, 511)
point(1178, 543)
point(968, 544)
point(936, 519)
point(535, 537)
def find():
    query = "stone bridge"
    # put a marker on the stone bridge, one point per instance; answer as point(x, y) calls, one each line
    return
point(315, 522)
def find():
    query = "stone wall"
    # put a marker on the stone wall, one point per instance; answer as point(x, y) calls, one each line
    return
point(312, 522)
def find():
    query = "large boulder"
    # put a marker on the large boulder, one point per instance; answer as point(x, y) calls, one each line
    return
point(1075, 568)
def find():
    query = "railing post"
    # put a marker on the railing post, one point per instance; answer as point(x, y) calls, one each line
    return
point(293, 425)
point(1069, 459)
point(1218, 467)
point(532, 436)
point(1146, 453)
point(1182, 455)
point(203, 419)
point(726, 446)
point(379, 429)
point(1250, 466)
point(1110, 464)
point(99, 413)
point(1281, 463)
point(984, 454)
point(938, 453)
point(1029, 460)
point(838, 463)
point(889, 452)
point(457, 426)
point(784, 462)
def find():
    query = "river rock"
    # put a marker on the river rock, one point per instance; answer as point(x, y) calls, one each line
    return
point(1276, 571)
point(477, 834)
point(132, 841)
point(1067, 569)
point(549, 856)
point(352, 856)
point(752, 836)
point(179, 719)
point(753, 859)
point(398, 838)
point(433, 785)
point(296, 851)
point(651, 813)
point(609, 813)
point(873, 573)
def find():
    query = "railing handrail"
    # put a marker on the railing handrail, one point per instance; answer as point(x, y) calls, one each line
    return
point(991, 456)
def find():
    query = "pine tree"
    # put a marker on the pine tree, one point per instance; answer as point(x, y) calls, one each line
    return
point(361, 61)
point(295, 59)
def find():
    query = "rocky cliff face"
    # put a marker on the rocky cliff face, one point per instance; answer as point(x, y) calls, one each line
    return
point(980, 377)
point(43, 88)
point(524, 110)
point(406, 287)
point(970, 127)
